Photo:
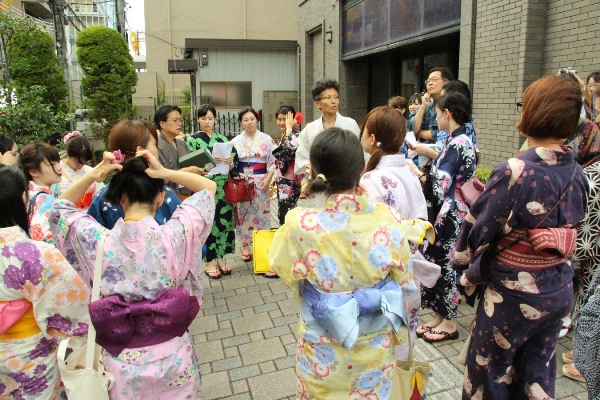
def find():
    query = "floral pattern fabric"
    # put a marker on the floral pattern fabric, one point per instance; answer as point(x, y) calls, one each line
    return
point(141, 259)
point(40, 202)
point(347, 244)
point(38, 273)
point(288, 183)
point(454, 164)
point(221, 240)
point(513, 344)
point(70, 176)
point(107, 214)
point(255, 214)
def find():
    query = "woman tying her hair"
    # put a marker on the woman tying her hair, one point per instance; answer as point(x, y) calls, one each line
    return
point(155, 271)
point(79, 153)
point(42, 300)
point(125, 139)
point(41, 164)
point(325, 254)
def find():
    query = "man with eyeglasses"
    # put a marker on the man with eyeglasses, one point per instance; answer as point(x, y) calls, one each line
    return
point(167, 121)
point(426, 127)
point(326, 94)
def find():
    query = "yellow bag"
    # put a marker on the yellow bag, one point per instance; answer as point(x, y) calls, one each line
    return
point(261, 241)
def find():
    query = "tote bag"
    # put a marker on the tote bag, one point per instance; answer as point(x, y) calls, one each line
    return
point(82, 372)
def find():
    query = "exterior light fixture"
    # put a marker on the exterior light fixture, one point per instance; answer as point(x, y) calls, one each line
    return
point(329, 34)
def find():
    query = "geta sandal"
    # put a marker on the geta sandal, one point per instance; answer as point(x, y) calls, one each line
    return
point(216, 274)
point(424, 329)
point(271, 274)
point(445, 336)
point(567, 357)
point(224, 269)
point(246, 257)
point(570, 371)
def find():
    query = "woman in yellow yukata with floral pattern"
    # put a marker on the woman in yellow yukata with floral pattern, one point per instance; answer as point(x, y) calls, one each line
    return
point(347, 263)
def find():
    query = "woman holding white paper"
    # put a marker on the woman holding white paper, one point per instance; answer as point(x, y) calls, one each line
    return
point(221, 240)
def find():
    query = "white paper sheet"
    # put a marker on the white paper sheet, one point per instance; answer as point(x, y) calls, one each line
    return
point(410, 138)
point(222, 150)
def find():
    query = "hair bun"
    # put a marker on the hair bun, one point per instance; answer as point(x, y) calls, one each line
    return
point(135, 165)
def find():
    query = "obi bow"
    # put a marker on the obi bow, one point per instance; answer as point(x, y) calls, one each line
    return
point(346, 315)
point(120, 325)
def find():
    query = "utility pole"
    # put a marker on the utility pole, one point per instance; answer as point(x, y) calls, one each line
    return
point(120, 17)
point(58, 13)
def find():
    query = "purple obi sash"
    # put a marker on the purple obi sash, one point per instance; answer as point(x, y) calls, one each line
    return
point(121, 325)
point(257, 168)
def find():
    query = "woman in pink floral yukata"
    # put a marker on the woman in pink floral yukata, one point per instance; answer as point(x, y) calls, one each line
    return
point(153, 270)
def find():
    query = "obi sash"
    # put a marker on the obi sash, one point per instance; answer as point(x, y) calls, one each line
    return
point(539, 249)
point(345, 316)
point(17, 320)
point(257, 168)
point(121, 325)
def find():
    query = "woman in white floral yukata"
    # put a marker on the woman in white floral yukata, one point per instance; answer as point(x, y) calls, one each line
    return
point(253, 156)
point(42, 301)
point(41, 164)
point(343, 261)
point(153, 270)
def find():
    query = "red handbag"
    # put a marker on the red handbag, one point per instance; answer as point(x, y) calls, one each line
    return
point(238, 190)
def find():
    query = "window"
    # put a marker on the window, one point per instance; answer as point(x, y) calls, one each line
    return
point(226, 94)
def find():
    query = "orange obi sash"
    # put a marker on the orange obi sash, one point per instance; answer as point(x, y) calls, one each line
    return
point(25, 326)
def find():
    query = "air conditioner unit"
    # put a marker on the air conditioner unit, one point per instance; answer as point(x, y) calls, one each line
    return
point(185, 66)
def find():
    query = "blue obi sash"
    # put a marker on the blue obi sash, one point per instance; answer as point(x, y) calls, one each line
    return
point(345, 316)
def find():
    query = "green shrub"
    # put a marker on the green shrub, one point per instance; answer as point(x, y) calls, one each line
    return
point(483, 174)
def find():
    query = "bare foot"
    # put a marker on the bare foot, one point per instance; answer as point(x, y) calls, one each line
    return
point(429, 325)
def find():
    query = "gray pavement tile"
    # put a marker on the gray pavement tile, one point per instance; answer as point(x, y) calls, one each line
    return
point(286, 362)
point(266, 292)
point(247, 311)
point(203, 325)
point(291, 349)
point(220, 334)
point(447, 350)
point(276, 313)
point(244, 300)
point(259, 288)
point(275, 298)
point(240, 386)
point(209, 351)
point(278, 287)
point(252, 323)
point(451, 394)
point(273, 386)
point(444, 376)
point(226, 364)
point(266, 307)
point(241, 290)
point(244, 372)
point(205, 369)
point(226, 316)
point(216, 385)
point(239, 282)
point(425, 352)
point(267, 367)
point(220, 302)
point(231, 352)
point(264, 350)
point(241, 396)
point(201, 338)
point(289, 307)
point(236, 341)
point(278, 331)
point(289, 319)
point(256, 336)
point(215, 310)
point(225, 324)
point(567, 387)
point(287, 339)
point(224, 294)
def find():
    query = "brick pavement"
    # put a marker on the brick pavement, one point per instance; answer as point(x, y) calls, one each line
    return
point(245, 339)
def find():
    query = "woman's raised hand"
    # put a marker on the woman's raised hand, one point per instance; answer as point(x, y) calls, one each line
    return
point(106, 166)
point(155, 168)
point(289, 120)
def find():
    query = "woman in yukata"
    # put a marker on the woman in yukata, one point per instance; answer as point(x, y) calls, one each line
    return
point(388, 179)
point(342, 259)
point(41, 164)
point(454, 164)
point(9, 152)
point(151, 284)
point(42, 300)
point(221, 240)
point(288, 183)
point(254, 158)
point(527, 216)
point(125, 139)
point(79, 154)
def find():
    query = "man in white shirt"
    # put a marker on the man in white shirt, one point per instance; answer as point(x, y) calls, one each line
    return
point(326, 94)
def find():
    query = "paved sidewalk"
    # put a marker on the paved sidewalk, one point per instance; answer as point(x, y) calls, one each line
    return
point(245, 339)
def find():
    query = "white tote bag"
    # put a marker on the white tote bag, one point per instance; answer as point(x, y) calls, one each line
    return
point(82, 372)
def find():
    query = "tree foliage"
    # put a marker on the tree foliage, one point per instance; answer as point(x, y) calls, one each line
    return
point(33, 61)
point(109, 76)
point(25, 116)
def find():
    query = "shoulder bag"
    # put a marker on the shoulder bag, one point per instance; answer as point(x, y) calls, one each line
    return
point(82, 372)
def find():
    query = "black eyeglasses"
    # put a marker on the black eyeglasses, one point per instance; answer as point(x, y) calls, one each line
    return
point(519, 106)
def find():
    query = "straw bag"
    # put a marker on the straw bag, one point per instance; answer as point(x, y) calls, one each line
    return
point(410, 378)
point(91, 382)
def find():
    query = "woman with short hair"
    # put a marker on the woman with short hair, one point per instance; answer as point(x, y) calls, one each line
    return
point(526, 218)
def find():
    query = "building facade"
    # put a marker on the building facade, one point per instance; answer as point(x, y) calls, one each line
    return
point(381, 48)
point(235, 53)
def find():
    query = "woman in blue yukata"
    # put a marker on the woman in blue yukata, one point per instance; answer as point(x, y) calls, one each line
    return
point(527, 216)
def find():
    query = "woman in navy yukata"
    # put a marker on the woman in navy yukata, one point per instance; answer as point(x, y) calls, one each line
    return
point(535, 200)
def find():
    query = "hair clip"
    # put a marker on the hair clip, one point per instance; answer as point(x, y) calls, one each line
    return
point(378, 144)
point(322, 177)
point(119, 157)
point(70, 135)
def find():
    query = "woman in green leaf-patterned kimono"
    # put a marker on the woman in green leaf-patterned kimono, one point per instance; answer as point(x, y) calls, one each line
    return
point(221, 240)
